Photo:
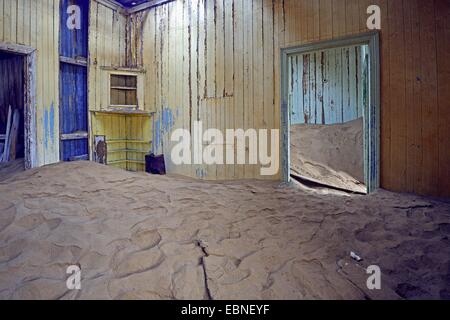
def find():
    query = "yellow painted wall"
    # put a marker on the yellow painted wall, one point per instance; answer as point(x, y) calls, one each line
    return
point(36, 24)
point(107, 47)
point(128, 138)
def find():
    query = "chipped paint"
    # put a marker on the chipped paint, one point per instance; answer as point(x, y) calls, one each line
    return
point(52, 123)
point(164, 122)
point(46, 128)
point(324, 91)
point(201, 173)
point(49, 126)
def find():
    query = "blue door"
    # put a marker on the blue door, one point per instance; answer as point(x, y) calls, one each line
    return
point(73, 52)
point(74, 118)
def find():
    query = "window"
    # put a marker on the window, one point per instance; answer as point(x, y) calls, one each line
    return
point(123, 91)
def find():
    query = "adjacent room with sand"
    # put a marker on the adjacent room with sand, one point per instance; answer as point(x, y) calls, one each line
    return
point(357, 121)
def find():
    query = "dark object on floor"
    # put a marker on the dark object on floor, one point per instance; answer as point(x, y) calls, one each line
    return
point(155, 164)
point(101, 150)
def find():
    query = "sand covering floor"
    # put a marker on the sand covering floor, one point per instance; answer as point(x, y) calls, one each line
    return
point(329, 154)
point(11, 168)
point(137, 236)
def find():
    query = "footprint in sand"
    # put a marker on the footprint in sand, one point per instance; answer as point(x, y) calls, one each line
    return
point(146, 239)
point(138, 262)
point(8, 215)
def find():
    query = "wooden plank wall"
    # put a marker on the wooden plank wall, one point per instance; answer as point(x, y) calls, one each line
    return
point(202, 59)
point(107, 48)
point(218, 61)
point(125, 136)
point(442, 9)
point(36, 24)
point(414, 72)
point(329, 86)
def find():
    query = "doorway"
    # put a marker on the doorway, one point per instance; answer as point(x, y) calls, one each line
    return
point(12, 104)
point(330, 113)
point(18, 105)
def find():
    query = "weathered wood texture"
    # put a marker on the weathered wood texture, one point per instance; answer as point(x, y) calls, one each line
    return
point(107, 48)
point(73, 109)
point(218, 61)
point(211, 61)
point(36, 24)
point(128, 138)
point(12, 86)
point(329, 86)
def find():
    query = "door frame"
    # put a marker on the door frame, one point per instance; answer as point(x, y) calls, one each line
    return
point(29, 55)
point(371, 115)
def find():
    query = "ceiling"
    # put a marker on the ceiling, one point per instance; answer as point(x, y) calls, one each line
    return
point(131, 3)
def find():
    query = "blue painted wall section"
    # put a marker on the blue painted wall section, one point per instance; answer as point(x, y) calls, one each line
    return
point(73, 43)
point(164, 122)
point(73, 86)
point(49, 126)
point(73, 82)
point(201, 173)
point(46, 128)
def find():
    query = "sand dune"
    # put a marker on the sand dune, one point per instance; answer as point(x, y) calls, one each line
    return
point(11, 168)
point(330, 154)
point(137, 236)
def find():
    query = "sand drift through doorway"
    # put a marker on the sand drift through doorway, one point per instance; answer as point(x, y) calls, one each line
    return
point(367, 112)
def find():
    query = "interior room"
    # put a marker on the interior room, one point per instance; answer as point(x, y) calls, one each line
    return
point(224, 149)
point(12, 93)
point(329, 95)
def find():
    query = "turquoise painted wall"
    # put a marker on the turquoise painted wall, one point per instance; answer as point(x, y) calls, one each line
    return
point(329, 86)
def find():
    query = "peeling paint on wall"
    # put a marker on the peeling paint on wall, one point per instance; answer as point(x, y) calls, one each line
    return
point(46, 128)
point(328, 86)
point(163, 125)
point(201, 173)
point(52, 123)
point(49, 126)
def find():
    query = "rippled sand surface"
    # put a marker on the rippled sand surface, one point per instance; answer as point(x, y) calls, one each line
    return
point(138, 236)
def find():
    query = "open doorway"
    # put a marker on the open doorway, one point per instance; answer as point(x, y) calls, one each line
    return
point(17, 108)
point(12, 105)
point(330, 113)
point(328, 93)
